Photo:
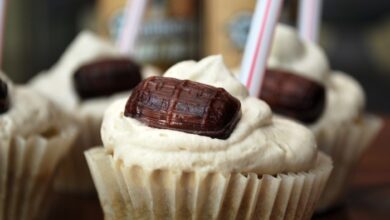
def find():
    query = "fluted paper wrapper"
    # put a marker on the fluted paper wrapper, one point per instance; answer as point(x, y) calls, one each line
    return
point(74, 175)
point(345, 150)
point(137, 193)
point(27, 167)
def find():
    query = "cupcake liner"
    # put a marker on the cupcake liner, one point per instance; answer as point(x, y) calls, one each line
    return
point(138, 193)
point(27, 169)
point(73, 175)
point(345, 150)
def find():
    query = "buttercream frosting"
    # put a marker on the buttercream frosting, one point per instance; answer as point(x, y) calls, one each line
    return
point(261, 142)
point(345, 102)
point(289, 53)
point(345, 99)
point(29, 114)
point(57, 82)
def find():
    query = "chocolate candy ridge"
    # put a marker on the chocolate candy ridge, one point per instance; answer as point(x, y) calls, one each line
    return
point(105, 77)
point(293, 95)
point(4, 97)
point(184, 105)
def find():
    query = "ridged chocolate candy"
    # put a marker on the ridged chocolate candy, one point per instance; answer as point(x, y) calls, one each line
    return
point(184, 105)
point(4, 97)
point(105, 77)
point(293, 95)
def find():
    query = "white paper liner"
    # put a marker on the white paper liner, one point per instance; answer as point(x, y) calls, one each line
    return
point(345, 150)
point(27, 167)
point(137, 193)
point(73, 175)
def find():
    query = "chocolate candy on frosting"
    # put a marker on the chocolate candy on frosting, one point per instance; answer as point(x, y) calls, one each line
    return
point(106, 77)
point(4, 97)
point(293, 95)
point(184, 105)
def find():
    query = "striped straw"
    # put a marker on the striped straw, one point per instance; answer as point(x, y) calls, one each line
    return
point(259, 43)
point(128, 34)
point(309, 19)
point(2, 24)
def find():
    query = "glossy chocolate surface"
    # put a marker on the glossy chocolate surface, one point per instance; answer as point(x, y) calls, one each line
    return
point(105, 77)
point(293, 95)
point(4, 97)
point(184, 105)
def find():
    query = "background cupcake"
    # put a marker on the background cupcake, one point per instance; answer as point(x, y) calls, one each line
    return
point(89, 75)
point(164, 157)
point(341, 127)
point(35, 137)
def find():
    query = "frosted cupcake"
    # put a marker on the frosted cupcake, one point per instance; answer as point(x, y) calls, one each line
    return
point(194, 145)
point(86, 79)
point(300, 84)
point(34, 137)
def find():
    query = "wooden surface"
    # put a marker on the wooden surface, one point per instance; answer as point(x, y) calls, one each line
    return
point(369, 196)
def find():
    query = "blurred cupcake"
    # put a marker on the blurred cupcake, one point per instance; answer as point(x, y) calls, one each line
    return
point(86, 79)
point(330, 103)
point(194, 145)
point(34, 137)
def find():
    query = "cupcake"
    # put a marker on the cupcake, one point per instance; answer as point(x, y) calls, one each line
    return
point(90, 74)
point(299, 84)
point(194, 145)
point(35, 137)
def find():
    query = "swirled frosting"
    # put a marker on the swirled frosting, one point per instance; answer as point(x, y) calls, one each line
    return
point(57, 83)
point(29, 114)
point(344, 96)
point(289, 53)
point(260, 142)
point(345, 103)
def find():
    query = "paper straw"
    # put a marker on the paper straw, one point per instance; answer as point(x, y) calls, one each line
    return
point(128, 34)
point(309, 19)
point(258, 44)
point(2, 24)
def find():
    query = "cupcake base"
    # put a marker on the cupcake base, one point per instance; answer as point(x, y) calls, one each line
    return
point(27, 169)
point(345, 150)
point(73, 174)
point(137, 193)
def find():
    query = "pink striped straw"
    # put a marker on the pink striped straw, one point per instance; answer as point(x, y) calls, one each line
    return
point(309, 19)
point(2, 24)
point(259, 43)
point(133, 15)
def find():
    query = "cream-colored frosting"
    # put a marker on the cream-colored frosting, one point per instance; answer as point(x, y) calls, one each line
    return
point(260, 142)
point(57, 83)
point(29, 114)
point(205, 72)
point(345, 101)
point(344, 96)
point(289, 53)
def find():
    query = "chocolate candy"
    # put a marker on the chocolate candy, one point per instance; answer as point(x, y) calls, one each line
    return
point(105, 77)
point(184, 105)
point(4, 97)
point(293, 95)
